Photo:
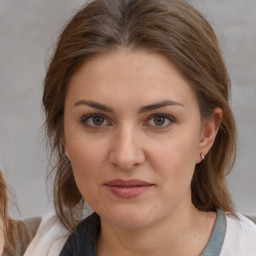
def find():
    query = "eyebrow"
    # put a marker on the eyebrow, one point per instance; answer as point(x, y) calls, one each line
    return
point(93, 104)
point(143, 109)
point(159, 105)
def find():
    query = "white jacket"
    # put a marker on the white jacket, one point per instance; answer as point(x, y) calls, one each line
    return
point(240, 237)
point(50, 238)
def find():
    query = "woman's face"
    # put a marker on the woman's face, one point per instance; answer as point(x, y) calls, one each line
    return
point(133, 133)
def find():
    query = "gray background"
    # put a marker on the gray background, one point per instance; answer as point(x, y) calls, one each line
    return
point(28, 30)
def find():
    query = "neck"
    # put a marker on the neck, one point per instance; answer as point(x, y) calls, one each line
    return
point(183, 233)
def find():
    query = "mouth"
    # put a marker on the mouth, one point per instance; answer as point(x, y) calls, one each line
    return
point(128, 188)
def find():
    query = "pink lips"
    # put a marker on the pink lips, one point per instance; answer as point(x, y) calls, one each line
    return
point(128, 188)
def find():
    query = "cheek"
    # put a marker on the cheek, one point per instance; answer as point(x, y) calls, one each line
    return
point(174, 176)
point(86, 156)
point(174, 160)
point(88, 160)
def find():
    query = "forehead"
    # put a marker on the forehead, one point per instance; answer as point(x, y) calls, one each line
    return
point(138, 75)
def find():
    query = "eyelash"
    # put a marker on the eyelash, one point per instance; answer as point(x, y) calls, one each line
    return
point(85, 120)
point(166, 117)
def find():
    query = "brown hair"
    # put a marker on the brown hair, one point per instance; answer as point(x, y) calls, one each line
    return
point(170, 27)
point(15, 232)
point(3, 205)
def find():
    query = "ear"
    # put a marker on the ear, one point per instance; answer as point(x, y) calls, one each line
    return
point(63, 142)
point(209, 131)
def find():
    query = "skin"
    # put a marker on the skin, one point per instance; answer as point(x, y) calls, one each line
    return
point(160, 145)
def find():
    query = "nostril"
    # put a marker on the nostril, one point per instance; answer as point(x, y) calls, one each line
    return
point(126, 151)
point(126, 162)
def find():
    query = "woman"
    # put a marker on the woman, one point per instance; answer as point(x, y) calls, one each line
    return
point(15, 235)
point(137, 113)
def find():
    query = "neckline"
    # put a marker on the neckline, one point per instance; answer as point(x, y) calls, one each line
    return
point(84, 240)
point(216, 241)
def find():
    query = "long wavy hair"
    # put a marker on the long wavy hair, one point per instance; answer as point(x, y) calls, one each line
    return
point(170, 27)
point(14, 231)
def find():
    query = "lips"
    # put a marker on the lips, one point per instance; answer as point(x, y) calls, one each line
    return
point(128, 188)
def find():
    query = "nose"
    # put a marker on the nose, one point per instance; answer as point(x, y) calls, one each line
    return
point(127, 151)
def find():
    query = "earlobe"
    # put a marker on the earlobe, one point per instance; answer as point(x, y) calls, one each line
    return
point(65, 150)
point(202, 156)
point(67, 159)
point(210, 129)
point(64, 146)
point(66, 154)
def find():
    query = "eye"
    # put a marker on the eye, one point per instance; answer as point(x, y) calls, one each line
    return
point(95, 121)
point(159, 120)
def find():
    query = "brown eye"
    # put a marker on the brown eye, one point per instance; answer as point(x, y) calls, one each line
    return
point(159, 120)
point(94, 121)
point(98, 120)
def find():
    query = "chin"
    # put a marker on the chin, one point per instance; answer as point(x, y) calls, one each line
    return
point(129, 218)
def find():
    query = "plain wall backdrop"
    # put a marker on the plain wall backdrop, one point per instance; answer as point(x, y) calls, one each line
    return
point(28, 31)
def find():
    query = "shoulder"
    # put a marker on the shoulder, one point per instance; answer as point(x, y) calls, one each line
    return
point(252, 218)
point(248, 232)
point(20, 233)
point(32, 225)
point(50, 237)
point(239, 222)
point(240, 236)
